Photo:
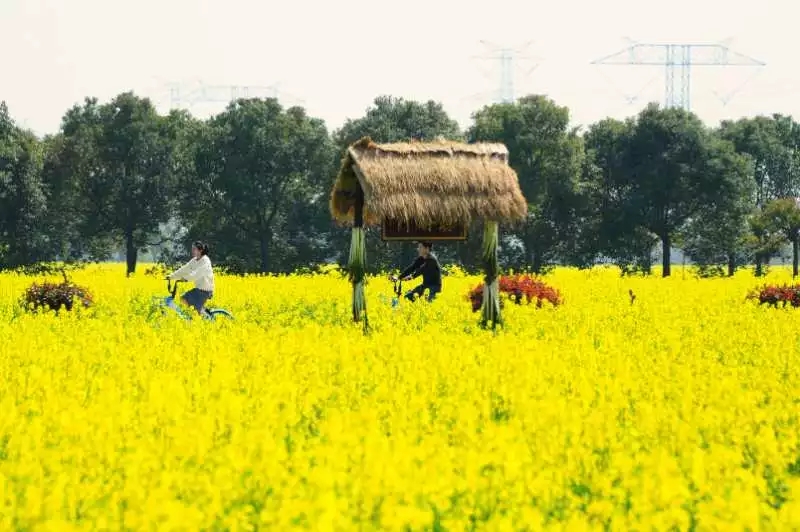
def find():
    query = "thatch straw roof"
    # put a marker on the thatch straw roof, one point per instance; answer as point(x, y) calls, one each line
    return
point(429, 183)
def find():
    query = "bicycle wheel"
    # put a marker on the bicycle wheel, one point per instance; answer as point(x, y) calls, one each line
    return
point(215, 313)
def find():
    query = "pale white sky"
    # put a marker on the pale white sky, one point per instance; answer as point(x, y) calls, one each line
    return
point(337, 56)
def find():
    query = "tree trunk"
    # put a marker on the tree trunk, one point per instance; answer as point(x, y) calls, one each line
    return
point(131, 253)
point(666, 258)
point(537, 264)
point(731, 264)
point(759, 267)
point(535, 256)
point(265, 240)
point(532, 250)
point(795, 253)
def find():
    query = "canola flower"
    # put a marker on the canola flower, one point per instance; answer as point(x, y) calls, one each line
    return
point(679, 411)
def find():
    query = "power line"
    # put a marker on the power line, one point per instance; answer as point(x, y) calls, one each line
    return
point(677, 59)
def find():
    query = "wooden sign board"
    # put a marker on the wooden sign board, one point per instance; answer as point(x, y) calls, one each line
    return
point(392, 230)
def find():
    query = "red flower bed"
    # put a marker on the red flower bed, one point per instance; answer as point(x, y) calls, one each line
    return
point(518, 287)
point(773, 295)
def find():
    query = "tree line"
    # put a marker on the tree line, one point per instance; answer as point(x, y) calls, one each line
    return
point(255, 180)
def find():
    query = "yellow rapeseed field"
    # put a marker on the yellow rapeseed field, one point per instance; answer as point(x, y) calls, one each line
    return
point(677, 412)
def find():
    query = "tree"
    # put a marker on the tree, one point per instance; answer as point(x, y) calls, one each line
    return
point(782, 216)
point(60, 188)
point(169, 244)
point(22, 198)
point(71, 156)
point(120, 155)
point(256, 164)
point(764, 241)
point(548, 158)
point(391, 119)
point(614, 231)
point(772, 143)
point(668, 182)
point(716, 234)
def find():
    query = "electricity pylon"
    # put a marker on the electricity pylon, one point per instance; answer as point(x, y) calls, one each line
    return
point(187, 95)
point(182, 95)
point(678, 60)
point(507, 57)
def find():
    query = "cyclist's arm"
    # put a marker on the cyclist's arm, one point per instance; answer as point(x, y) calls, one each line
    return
point(183, 271)
point(414, 270)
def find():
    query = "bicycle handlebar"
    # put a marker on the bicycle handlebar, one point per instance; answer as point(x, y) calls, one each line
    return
point(398, 286)
point(173, 288)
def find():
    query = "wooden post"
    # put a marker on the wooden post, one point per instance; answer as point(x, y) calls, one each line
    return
point(358, 259)
point(358, 217)
point(491, 293)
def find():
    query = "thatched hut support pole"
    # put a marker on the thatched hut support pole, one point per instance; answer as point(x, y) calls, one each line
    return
point(491, 293)
point(357, 264)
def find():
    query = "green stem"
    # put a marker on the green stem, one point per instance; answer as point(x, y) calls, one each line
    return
point(491, 293)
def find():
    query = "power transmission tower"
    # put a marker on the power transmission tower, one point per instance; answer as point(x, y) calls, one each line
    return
point(186, 95)
point(678, 60)
point(507, 58)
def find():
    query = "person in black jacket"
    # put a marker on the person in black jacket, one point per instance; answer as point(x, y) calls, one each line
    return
point(426, 265)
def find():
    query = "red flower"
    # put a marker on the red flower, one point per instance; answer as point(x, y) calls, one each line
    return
point(773, 295)
point(517, 287)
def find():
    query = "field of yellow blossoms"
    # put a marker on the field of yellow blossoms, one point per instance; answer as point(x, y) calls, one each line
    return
point(679, 411)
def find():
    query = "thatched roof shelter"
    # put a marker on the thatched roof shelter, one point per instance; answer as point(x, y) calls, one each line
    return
point(428, 183)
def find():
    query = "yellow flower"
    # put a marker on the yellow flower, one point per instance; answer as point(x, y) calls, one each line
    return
point(676, 411)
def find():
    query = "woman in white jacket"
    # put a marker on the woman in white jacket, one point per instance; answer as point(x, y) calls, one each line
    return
point(199, 270)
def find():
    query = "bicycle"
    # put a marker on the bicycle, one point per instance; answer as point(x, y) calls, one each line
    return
point(398, 293)
point(163, 303)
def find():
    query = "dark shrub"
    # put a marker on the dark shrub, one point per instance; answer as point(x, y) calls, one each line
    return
point(55, 296)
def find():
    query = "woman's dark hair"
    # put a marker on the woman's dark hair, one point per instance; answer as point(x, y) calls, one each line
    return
point(202, 246)
point(428, 245)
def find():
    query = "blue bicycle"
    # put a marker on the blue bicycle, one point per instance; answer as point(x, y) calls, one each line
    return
point(398, 293)
point(163, 303)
